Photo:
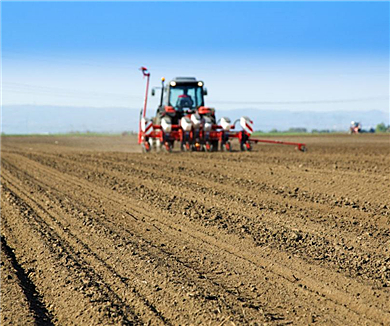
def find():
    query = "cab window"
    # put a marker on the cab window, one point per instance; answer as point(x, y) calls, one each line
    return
point(195, 94)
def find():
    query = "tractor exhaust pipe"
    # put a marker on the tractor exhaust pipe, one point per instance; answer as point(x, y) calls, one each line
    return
point(162, 91)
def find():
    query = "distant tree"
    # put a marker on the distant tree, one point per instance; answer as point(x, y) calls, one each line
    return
point(381, 127)
point(273, 131)
point(297, 130)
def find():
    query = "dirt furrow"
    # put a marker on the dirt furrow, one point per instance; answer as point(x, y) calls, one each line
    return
point(241, 238)
point(209, 287)
point(295, 237)
point(78, 276)
point(125, 240)
point(18, 291)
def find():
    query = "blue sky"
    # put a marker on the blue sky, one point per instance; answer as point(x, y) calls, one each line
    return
point(281, 55)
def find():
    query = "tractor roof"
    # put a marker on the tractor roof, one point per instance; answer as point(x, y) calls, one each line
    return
point(185, 80)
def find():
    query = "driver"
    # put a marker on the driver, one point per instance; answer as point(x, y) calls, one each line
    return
point(184, 100)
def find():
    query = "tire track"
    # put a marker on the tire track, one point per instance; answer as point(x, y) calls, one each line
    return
point(39, 311)
point(57, 245)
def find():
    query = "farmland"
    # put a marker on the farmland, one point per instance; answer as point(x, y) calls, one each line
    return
point(96, 233)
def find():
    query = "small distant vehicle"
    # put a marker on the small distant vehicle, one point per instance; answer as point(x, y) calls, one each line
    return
point(355, 128)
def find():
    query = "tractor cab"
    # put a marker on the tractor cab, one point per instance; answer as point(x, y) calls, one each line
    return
point(181, 96)
point(184, 94)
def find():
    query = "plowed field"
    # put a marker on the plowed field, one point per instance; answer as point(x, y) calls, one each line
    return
point(95, 233)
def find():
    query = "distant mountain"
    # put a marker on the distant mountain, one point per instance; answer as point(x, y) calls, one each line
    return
point(29, 119)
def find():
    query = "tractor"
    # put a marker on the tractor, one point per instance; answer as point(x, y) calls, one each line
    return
point(355, 128)
point(182, 117)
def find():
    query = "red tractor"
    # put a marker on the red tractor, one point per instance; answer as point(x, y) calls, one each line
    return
point(356, 128)
point(182, 117)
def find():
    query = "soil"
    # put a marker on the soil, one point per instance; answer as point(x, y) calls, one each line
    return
point(96, 233)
